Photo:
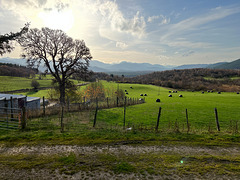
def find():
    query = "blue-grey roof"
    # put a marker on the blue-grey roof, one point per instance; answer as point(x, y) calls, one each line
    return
point(8, 96)
point(32, 98)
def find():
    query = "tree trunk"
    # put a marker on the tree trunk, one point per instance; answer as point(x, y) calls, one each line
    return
point(62, 92)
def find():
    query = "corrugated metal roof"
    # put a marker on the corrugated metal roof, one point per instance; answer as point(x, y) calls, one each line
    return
point(8, 96)
point(32, 98)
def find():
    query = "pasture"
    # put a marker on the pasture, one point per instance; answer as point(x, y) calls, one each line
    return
point(9, 83)
point(200, 107)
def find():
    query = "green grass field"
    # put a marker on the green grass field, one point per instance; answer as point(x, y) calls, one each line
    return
point(200, 108)
point(173, 114)
point(141, 117)
point(8, 83)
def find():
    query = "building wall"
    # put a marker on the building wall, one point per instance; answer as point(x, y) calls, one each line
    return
point(34, 104)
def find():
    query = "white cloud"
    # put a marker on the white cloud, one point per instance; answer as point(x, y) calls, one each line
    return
point(193, 23)
point(188, 53)
point(152, 18)
point(121, 45)
point(22, 3)
point(188, 44)
point(163, 19)
point(112, 15)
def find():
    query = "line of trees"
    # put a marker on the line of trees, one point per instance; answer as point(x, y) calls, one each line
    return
point(16, 70)
point(192, 79)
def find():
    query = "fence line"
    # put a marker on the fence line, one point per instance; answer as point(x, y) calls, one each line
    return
point(159, 124)
point(83, 106)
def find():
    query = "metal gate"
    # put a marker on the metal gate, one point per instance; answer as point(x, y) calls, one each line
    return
point(10, 118)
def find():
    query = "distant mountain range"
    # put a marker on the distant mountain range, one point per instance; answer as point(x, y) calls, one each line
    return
point(124, 66)
point(133, 69)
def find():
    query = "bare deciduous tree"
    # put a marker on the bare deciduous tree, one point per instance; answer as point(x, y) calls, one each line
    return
point(5, 40)
point(61, 55)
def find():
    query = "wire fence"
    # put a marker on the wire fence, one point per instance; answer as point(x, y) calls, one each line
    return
point(95, 116)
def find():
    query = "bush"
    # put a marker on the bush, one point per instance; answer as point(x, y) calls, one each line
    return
point(95, 90)
point(35, 84)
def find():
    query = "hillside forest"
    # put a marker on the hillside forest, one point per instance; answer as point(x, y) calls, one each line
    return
point(192, 79)
point(16, 70)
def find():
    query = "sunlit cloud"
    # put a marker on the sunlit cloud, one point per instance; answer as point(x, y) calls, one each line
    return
point(56, 19)
point(121, 45)
point(112, 15)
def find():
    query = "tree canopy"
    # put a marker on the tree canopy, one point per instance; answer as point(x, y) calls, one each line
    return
point(61, 55)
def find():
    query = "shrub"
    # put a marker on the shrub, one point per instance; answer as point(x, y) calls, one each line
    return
point(35, 84)
point(94, 90)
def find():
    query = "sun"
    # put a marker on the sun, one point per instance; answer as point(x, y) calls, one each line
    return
point(63, 20)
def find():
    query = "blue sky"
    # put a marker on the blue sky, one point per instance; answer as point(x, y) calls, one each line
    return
point(166, 32)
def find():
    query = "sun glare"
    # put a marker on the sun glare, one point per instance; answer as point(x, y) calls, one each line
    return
point(63, 20)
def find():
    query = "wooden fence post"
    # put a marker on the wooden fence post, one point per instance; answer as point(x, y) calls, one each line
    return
point(187, 121)
point(62, 113)
point(124, 113)
point(11, 106)
point(217, 122)
point(107, 103)
point(159, 114)
point(23, 120)
point(44, 110)
point(117, 101)
point(95, 116)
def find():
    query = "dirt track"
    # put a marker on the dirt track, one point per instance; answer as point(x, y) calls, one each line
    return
point(128, 150)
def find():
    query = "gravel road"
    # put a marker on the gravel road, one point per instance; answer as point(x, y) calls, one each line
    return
point(10, 173)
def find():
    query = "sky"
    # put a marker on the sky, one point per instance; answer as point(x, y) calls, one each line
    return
point(165, 32)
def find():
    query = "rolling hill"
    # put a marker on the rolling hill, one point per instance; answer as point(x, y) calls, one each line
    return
point(231, 65)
